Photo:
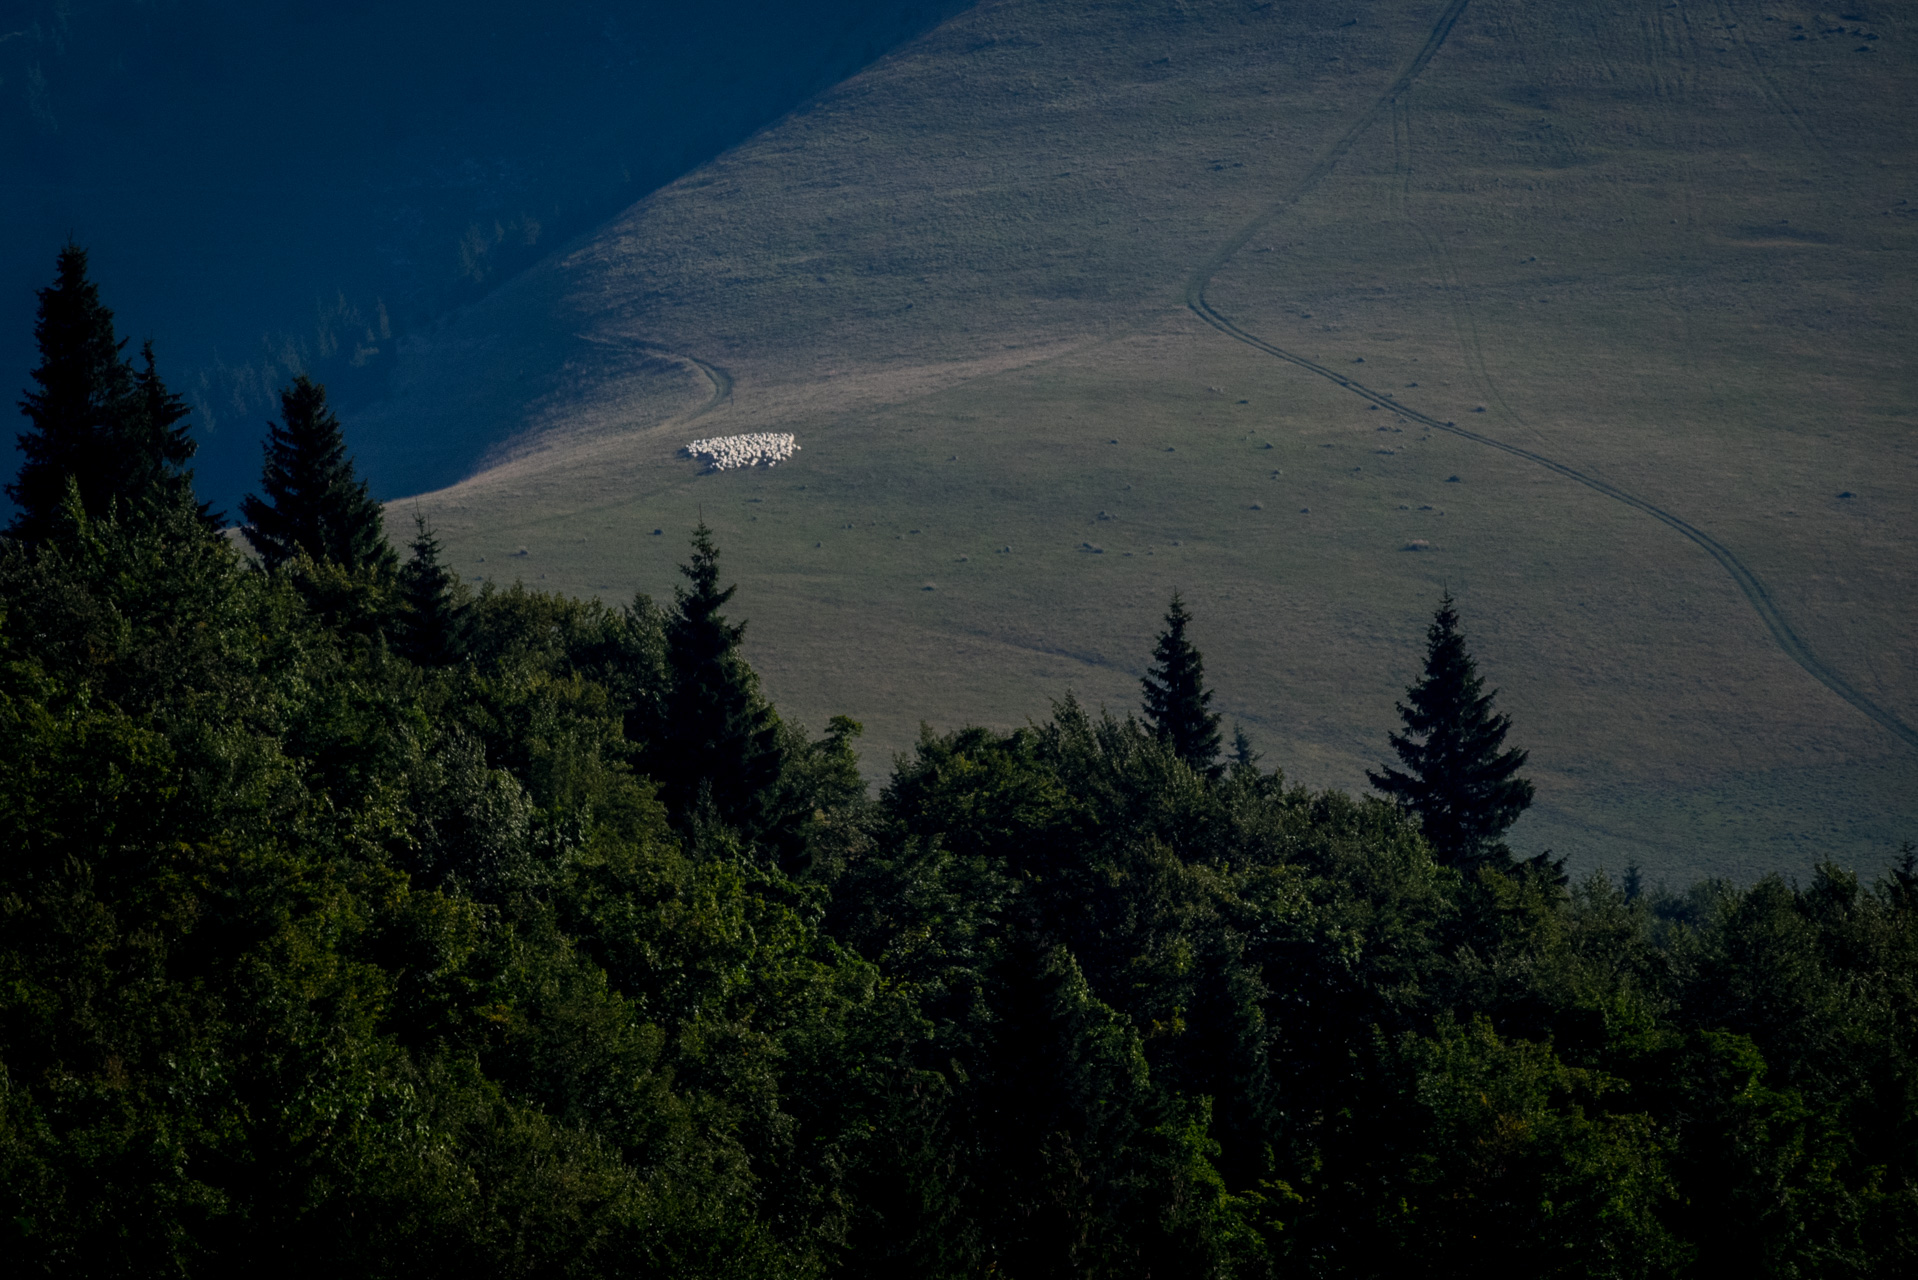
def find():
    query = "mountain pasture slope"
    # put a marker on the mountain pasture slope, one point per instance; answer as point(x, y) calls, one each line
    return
point(1663, 246)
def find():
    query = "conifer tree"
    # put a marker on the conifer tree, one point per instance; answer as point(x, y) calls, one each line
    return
point(84, 386)
point(430, 622)
point(721, 741)
point(1466, 790)
point(313, 502)
point(1177, 703)
point(1243, 754)
point(157, 444)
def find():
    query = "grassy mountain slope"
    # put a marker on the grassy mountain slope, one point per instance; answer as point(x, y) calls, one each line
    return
point(1661, 246)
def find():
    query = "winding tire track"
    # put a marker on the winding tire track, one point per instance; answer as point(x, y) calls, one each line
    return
point(722, 382)
point(1748, 582)
point(722, 386)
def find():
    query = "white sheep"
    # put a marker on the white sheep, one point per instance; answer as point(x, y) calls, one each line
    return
point(723, 453)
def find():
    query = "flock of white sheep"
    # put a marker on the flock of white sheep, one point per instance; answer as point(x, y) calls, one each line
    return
point(723, 453)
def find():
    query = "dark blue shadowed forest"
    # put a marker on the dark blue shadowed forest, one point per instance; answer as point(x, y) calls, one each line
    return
point(271, 188)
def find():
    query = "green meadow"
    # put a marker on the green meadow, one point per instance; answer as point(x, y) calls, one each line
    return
point(1071, 305)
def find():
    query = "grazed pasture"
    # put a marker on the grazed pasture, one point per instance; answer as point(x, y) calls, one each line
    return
point(1064, 300)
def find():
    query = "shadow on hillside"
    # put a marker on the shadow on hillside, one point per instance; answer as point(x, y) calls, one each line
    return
point(279, 188)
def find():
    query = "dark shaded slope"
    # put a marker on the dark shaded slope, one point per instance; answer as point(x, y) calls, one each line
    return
point(270, 188)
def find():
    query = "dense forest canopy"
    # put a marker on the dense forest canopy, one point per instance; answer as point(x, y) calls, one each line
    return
point(352, 922)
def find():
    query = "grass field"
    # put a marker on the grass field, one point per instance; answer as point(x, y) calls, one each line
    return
point(1082, 281)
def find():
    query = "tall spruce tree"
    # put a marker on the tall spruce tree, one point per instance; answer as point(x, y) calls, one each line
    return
point(431, 621)
point(721, 741)
point(84, 387)
point(1243, 755)
point(1465, 789)
point(313, 503)
point(158, 444)
point(1177, 703)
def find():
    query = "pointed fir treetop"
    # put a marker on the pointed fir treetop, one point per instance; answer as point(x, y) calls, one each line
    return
point(159, 425)
point(1177, 703)
point(1464, 788)
point(158, 444)
point(720, 744)
point(117, 433)
point(1243, 754)
point(698, 633)
point(313, 503)
point(431, 621)
point(82, 385)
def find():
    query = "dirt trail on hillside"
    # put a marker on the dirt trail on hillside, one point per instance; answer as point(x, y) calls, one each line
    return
point(721, 381)
point(1747, 582)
